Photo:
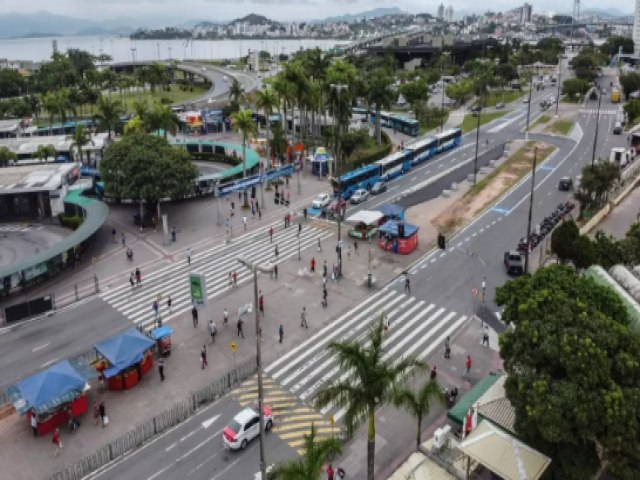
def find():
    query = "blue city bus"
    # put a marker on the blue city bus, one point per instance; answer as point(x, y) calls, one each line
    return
point(363, 177)
point(448, 139)
point(398, 123)
point(422, 150)
point(394, 165)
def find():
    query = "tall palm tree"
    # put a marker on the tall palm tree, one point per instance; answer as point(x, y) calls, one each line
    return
point(80, 137)
point(63, 104)
point(315, 105)
point(309, 465)
point(75, 101)
point(278, 143)
point(295, 75)
point(236, 92)
point(243, 121)
point(50, 103)
point(141, 109)
point(371, 384)
point(267, 100)
point(419, 403)
point(109, 112)
point(133, 126)
point(284, 90)
point(380, 94)
point(163, 118)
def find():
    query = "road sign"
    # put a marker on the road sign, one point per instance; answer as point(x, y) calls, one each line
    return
point(233, 346)
point(474, 292)
point(332, 420)
point(198, 288)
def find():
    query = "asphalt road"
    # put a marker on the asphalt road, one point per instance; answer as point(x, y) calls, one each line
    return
point(217, 75)
point(194, 450)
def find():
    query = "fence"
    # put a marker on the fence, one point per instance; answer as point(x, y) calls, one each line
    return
point(155, 425)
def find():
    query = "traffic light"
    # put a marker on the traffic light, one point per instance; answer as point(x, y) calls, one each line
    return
point(442, 242)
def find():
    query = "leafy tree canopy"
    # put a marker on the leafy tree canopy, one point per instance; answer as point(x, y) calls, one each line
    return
point(11, 83)
point(613, 44)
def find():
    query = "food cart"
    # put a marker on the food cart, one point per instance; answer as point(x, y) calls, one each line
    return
point(398, 237)
point(162, 337)
point(320, 162)
point(125, 359)
point(365, 224)
point(51, 395)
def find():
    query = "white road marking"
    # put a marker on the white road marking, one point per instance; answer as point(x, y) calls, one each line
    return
point(49, 362)
point(40, 347)
point(209, 422)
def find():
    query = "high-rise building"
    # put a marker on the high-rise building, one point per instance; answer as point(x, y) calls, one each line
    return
point(441, 11)
point(526, 13)
point(636, 27)
point(448, 14)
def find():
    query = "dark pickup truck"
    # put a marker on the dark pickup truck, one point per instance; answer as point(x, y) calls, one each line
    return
point(513, 263)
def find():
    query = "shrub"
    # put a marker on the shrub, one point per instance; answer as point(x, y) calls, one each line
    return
point(70, 221)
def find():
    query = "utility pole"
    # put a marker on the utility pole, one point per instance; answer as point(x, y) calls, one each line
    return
point(339, 87)
point(475, 159)
point(441, 80)
point(560, 58)
point(526, 135)
point(533, 183)
point(595, 137)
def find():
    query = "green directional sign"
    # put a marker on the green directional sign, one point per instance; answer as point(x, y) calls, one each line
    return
point(198, 288)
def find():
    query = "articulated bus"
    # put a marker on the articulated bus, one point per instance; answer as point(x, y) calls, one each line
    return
point(394, 165)
point(398, 123)
point(448, 139)
point(422, 150)
point(363, 177)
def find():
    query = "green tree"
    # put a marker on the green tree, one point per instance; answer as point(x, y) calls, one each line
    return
point(573, 372)
point(141, 109)
point(572, 87)
point(109, 112)
point(7, 156)
point(613, 44)
point(163, 118)
point(267, 100)
point(563, 240)
point(308, 466)
point(278, 142)
point(50, 103)
point(145, 167)
point(608, 250)
point(295, 75)
point(631, 244)
point(419, 403)
point(242, 121)
point(134, 126)
point(632, 107)
point(596, 183)
point(43, 152)
point(630, 82)
point(12, 83)
point(374, 377)
point(584, 253)
point(79, 139)
point(381, 95)
point(460, 91)
point(236, 92)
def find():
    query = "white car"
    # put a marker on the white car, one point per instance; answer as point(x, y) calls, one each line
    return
point(359, 196)
point(245, 426)
point(321, 201)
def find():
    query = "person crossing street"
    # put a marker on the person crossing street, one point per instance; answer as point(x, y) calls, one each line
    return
point(240, 332)
point(303, 318)
point(194, 316)
point(261, 303)
point(407, 284)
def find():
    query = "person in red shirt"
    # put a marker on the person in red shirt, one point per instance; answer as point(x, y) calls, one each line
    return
point(329, 472)
point(313, 265)
point(271, 234)
point(261, 303)
point(57, 442)
point(468, 365)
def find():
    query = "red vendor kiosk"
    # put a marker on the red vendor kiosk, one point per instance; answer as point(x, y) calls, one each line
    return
point(399, 238)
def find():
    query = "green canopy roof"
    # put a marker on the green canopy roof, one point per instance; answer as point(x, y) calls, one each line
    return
point(460, 409)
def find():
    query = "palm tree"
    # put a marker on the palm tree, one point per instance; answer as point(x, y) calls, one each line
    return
point(156, 75)
point(43, 152)
point(236, 92)
point(163, 118)
point(371, 385)
point(63, 104)
point(50, 104)
point(141, 109)
point(314, 103)
point(379, 92)
point(133, 126)
point(109, 112)
point(284, 90)
point(267, 100)
point(242, 120)
point(295, 76)
point(80, 137)
point(75, 101)
point(419, 403)
point(278, 143)
point(309, 465)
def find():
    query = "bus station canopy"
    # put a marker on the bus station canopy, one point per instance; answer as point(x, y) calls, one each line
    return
point(368, 217)
point(124, 350)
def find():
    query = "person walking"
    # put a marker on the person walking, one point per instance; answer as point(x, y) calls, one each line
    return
point(407, 284)
point(173, 233)
point(161, 368)
point(96, 413)
point(103, 414)
point(330, 472)
point(203, 357)
point(276, 251)
point(189, 256)
point(234, 277)
point(132, 280)
point(433, 374)
point(299, 229)
point(113, 235)
point(468, 367)
point(270, 234)
point(303, 318)
point(319, 245)
point(313, 266)
point(275, 271)
point(325, 270)
point(34, 423)
point(138, 277)
point(194, 316)
point(325, 304)
point(285, 222)
point(304, 212)
point(244, 221)
point(124, 240)
point(240, 332)
point(225, 317)
point(447, 348)
point(485, 335)
point(129, 254)
point(385, 323)
point(169, 304)
point(156, 309)
point(212, 330)
point(280, 333)
point(261, 303)
point(57, 442)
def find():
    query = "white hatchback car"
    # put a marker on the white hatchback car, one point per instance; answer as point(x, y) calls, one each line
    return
point(245, 426)
point(359, 196)
point(321, 201)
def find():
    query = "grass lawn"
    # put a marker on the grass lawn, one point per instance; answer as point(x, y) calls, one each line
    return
point(432, 124)
point(542, 119)
point(470, 121)
point(496, 96)
point(176, 95)
point(562, 127)
point(362, 151)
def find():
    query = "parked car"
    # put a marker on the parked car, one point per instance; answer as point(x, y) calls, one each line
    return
point(378, 187)
point(245, 426)
point(565, 184)
point(359, 195)
point(617, 128)
point(500, 105)
point(321, 201)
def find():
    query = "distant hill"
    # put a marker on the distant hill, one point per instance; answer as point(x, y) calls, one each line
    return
point(352, 17)
point(253, 19)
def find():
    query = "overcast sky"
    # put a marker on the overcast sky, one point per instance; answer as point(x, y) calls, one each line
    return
point(174, 11)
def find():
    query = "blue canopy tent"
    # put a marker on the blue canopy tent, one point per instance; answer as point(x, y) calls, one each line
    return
point(61, 383)
point(399, 237)
point(320, 162)
point(392, 211)
point(391, 228)
point(124, 351)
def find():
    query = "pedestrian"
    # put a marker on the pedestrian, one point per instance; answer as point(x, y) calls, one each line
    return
point(230, 278)
point(244, 221)
point(194, 316)
point(189, 256)
point(225, 317)
point(319, 245)
point(113, 235)
point(407, 284)
point(259, 214)
point(433, 374)
point(385, 323)
point(281, 333)
point(212, 330)
point(132, 280)
point(334, 272)
point(329, 472)
point(303, 318)
point(299, 229)
point(313, 266)
point(103, 414)
point(271, 234)
point(325, 269)
point(485, 335)
point(261, 302)
point(324, 297)
point(96, 413)
point(304, 212)
point(275, 271)
point(169, 304)
point(239, 195)
point(138, 277)
point(240, 332)
point(34, 423)
point(285, 222)
point(447, 348)
point(161, 368)
point(124, 240)
point(173, 233)
point(468, 365)
point(355, 247)
point(57, 442)
point(203, 357)
point(276, 251)
point(156, 309)
point(234, 276)
point(129, 254)
point(253, 211)
point(324, 282)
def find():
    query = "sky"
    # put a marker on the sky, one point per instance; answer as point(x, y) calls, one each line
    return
point(173, 12)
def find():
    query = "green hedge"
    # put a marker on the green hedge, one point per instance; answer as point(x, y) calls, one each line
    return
point(70, 221)
point(383, 152)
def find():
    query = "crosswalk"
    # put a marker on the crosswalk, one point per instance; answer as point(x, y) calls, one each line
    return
point(293, 419)
point(19, 227)
point(215, 264)
point(603, 111)
point(416, 328)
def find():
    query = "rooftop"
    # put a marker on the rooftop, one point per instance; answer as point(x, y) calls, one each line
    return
point(33, 178)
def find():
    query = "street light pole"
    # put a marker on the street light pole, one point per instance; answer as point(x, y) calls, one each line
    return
point(475, 159)
point(533, 183)
point(595, 137)
point(559, 77)
point(526, 135)
point(339, 87)
point(441, 80)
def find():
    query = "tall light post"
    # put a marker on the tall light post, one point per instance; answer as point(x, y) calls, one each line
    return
point(475, 158)
point(339, 87)
point(254, 269)
point(560, 58)
point(526, 135)
point(533, 183)
point(595, 137)
point(441, 80)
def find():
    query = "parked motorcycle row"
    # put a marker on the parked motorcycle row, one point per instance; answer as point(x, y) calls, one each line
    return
point(545, 227)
